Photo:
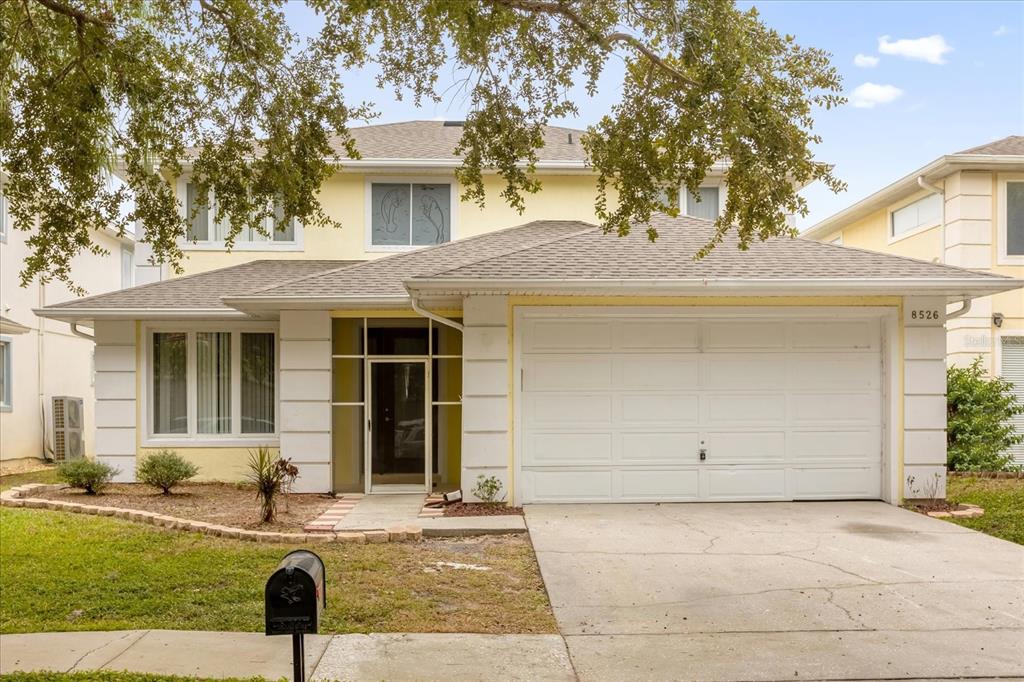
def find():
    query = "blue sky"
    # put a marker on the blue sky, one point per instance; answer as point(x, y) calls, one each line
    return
point(945, 77)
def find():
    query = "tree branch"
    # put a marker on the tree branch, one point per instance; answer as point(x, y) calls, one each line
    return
point(78, 15)
point(558, 8)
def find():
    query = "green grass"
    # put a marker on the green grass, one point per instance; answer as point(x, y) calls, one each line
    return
point(41, 476)
point(1001, 498)
point(72, 572)
point(112, 676)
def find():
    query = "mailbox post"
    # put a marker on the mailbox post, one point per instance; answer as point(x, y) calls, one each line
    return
point(294, 599)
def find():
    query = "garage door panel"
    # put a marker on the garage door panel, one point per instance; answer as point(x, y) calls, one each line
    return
point(570, 335)
point(838, 483)
point(568, 486)
point(836, 334)
point(746, 408)
point(657, 334)
point(567, 372)
point(834, 371)
point(646, 408)
point(666, 372)
point(662, 484)
point(754, 446)
point(569, 447)
point(744, 371)
point(838, 408)
point(553, 409)
point(748, 484)
point(831, 445)
point(648, 447)
point(744, 334)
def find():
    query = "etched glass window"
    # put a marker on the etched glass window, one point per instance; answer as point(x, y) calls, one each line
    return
point(414, 214)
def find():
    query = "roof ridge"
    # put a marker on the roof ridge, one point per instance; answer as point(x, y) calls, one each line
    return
point(591, 228)
point(904, 258)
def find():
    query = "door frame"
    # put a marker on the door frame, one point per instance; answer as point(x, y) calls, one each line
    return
point(428, 427)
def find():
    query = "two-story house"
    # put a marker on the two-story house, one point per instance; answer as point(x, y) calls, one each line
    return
point(967, 210)
point(430, 341)
point(42, 358)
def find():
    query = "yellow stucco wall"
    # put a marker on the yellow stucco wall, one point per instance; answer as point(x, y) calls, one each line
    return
point(562, 197)
point(872, 232)
point(215, 464)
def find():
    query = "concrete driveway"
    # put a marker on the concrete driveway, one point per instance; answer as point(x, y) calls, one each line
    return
point(797, 591)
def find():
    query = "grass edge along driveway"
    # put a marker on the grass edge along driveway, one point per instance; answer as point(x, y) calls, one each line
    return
point(71, 572)
point(1001, 498)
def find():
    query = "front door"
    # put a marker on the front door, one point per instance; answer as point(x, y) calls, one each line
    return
point(398, 426)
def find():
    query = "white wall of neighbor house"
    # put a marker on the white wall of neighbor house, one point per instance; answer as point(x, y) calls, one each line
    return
point(305, 393)
point(116, 396)
point(485, 392)
point(924, 397)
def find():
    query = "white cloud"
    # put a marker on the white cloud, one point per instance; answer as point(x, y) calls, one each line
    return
point(930, 49)
point(870, 95)
point(865, 61)
point(1002, 31)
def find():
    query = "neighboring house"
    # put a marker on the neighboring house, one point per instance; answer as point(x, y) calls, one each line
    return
point(42, 358)
point(964, 209)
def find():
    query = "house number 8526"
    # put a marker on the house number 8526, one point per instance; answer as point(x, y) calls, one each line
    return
point(924, 315)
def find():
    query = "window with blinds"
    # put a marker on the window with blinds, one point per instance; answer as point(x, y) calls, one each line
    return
point(1012, 369)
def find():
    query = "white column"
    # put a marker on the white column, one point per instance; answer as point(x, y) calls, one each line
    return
point(116, 428)
point(485, 392)
point(924, 398)
point(305, 376)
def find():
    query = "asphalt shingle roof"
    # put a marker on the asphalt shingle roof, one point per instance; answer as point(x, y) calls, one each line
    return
point(203, 291)
point(1012, 145)
point(434, 140)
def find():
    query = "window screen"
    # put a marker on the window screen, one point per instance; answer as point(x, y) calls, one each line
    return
point(1015, 218)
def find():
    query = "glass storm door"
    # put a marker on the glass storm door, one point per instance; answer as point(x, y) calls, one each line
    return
point(398, 425)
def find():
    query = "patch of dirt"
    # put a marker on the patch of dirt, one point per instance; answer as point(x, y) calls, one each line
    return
point(481, 509)
point(935, 506)
point(226, 504)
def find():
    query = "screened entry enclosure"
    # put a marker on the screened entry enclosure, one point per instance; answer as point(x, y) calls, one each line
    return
point(397, 405)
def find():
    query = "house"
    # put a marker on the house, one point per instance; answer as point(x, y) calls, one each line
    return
point(431, 341)
point(41, 358)
point(964, 209)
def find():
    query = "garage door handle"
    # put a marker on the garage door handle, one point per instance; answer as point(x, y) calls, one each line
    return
point(703, 454)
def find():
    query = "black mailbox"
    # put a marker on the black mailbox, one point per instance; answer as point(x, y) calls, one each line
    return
point(296, 594)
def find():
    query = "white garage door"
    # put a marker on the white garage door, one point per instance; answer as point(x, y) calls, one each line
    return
point(618, 409)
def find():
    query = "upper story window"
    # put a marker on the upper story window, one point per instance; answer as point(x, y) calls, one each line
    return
point(918, 215)
point(703, 205)
point(4, 217)
point(1015, 218)
point(6, 398)
point(206, 231)
point(127, 267)
point(408, 214)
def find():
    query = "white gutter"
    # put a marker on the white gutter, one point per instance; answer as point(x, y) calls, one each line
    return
point(964, 309)
point(69, 314)
point(434, 316)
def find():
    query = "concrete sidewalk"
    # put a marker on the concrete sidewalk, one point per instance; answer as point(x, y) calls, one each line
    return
point(394, 657)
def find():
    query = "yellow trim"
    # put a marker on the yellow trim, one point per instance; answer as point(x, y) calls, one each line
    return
point(392, 313)
point(695, 302)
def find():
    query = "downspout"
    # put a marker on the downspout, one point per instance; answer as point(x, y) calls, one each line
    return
point(78, 332)
point(964, 309)
point(934, 189)
point(440, 319)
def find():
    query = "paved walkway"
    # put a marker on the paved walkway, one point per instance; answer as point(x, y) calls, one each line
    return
point(384, 512)
point(393, 657)
point(767, 591)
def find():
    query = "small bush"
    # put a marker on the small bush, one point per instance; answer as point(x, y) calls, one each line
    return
point(487, 489)
point(165, 469)
point(979, 428)
point(86, 474)
point(271, 475)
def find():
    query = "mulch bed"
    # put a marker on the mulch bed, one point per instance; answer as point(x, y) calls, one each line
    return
point(225, 504)
point(481, 509)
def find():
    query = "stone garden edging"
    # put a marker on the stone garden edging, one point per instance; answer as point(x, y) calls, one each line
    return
point(968, 511)
point(21, 496)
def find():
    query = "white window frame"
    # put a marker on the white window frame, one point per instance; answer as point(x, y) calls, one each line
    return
point(1002, 225)
point(891, 238)
point(220, 245)
point(125, 252)
point(371, 180)
point(7, 396)
point(684, 197)
point(192, 438)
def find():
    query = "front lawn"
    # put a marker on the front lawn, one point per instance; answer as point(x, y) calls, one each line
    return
point(48, 475)
point(111, 676)
point(1001, 498)
point(72, 572)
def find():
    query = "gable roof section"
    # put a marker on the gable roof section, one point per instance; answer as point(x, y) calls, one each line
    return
point(192, 295)
point(1005, 155)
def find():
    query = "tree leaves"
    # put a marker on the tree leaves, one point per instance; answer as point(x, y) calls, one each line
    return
point(225, 91)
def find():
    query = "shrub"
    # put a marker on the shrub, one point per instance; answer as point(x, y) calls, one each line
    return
point(164, 470)
point(86, 474)
point(271, 474)
point(487, 489)
point(979, 413)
